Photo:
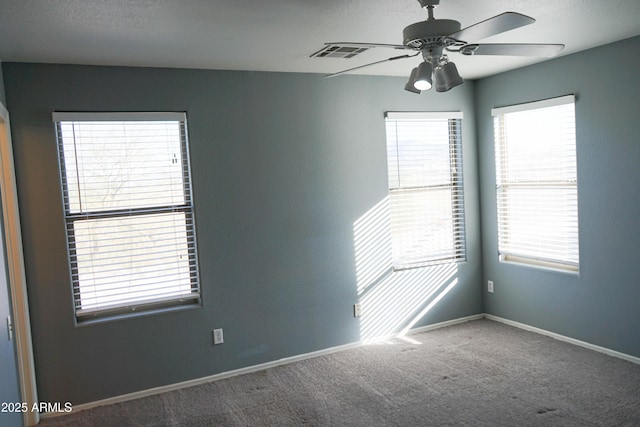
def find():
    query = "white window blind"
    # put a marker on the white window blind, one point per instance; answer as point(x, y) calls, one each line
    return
point(536, 183)
point(128, 210)
point(424, 153)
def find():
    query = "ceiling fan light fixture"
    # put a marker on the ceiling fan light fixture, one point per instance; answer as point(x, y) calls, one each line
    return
point(423, 79)
point(411, 82)
point(447, 77)
point(440, 80)
point(432, 37)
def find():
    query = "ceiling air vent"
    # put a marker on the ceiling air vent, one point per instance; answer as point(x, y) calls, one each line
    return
point(342, 51)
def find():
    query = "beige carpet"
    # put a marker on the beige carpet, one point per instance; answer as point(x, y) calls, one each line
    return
point(480, 373)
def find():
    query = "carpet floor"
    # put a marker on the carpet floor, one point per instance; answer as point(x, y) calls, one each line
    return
point(479, 373)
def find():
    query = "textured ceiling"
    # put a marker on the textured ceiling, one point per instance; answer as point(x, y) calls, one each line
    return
point(279, 35)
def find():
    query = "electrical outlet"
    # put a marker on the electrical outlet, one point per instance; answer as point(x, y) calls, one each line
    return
point(218, 338)
point(356, 310)
point(490, 286)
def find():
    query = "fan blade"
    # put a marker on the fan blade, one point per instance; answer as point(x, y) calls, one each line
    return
point(492, 26)
point(515, 49)
point(371, 63)
point(393, 46)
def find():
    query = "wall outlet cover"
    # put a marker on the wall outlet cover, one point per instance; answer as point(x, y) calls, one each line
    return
point(218, 337)
point(357, 310)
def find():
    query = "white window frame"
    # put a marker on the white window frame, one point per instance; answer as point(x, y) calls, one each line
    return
point(551, 181)
point(413, 228)
point(162, 290)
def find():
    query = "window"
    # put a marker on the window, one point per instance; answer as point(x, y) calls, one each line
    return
point(536, 183)
point(128, 211)
point(424, 154)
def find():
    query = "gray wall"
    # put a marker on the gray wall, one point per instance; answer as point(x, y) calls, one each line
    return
point(283, 166)
point(2, 98)
point(600, 305)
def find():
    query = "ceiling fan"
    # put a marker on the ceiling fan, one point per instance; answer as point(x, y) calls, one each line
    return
point(434, 38)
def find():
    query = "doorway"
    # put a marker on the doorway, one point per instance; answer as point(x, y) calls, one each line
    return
point(17, 374)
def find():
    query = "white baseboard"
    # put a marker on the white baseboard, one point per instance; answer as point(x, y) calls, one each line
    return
point(444, 324)
point(249, 369)
point(286, 360)
point(203, 380)
point(559, 337)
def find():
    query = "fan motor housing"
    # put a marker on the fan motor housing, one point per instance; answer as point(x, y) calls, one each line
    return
point(431, 31)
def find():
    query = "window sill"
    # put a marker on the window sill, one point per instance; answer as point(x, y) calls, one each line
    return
point(131, 314)
point(539, 264)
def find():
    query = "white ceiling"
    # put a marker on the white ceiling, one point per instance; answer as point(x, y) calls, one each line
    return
point(279, 35)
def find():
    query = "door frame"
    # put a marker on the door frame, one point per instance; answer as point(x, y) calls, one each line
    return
point(16, 272)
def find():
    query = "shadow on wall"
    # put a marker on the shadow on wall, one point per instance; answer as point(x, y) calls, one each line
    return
point(392, 302)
